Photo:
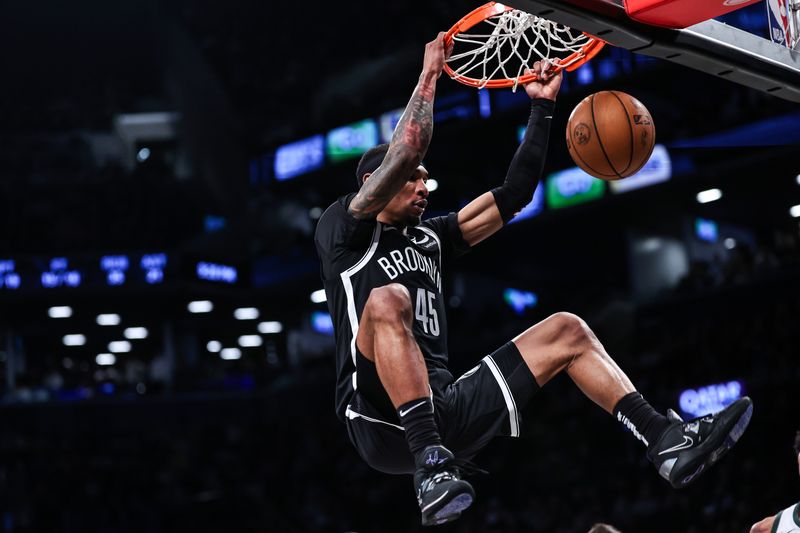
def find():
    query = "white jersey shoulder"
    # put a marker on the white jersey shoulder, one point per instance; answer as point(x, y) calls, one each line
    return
point(788, 520)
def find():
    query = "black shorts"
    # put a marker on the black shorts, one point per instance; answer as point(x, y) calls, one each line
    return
point(481, 404)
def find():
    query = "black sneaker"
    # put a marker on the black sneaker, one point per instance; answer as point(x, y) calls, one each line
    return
point(441, 493)
point(687, 449)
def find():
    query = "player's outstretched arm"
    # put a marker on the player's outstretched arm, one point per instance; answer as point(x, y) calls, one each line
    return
point(409, 142)
point(486, 214)
point(765, 526)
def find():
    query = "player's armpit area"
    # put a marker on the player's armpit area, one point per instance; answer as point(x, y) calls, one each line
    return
point(479, 219)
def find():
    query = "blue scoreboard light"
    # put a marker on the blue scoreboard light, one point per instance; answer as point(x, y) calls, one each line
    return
point(710, 399)
point(535, 207)
point(115, 268)
point(93, 272)
point(58, 272)
point(9, 278)
point(153, 267)
point(299, 157)
point(217, 272)
point(126, 269)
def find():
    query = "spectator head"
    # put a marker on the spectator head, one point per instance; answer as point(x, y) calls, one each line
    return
point(604, 528)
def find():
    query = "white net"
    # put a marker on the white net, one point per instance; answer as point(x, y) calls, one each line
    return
point(505, 45)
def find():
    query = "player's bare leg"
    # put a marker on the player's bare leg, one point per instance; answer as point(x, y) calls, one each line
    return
point(680, 451)
point(564, 342)
point(385, 337)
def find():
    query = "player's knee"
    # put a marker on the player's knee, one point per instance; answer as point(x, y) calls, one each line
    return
point(570, 328)
point(390, 303)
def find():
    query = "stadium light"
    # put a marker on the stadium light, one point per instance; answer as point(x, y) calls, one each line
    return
point(119, 346)
point(246, 313)
point(319, 297)
point(229, 354)
point(108, 319)
point(60, 311)
point(250, 341)
point(797, 179)
point(795, 211)
point(75, 339)
point(270, 327)
point(105, 359)
point(135, 333)
point(730, 243)
point(432, 184)
point(200, 306)
point(710, 195)
point(214, 346)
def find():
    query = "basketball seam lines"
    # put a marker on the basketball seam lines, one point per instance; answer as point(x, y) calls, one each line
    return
point(630, 126)
point(590, 167)
point(600, 140)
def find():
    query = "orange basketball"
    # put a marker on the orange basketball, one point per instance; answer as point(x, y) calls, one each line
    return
point(610, 135)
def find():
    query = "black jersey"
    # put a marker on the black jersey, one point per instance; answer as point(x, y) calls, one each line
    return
point(360, 255)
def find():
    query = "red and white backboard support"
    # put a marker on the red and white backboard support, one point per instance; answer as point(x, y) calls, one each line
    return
point(709, 46)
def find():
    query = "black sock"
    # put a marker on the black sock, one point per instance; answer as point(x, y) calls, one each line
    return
point(636, 414)
point(416, 417)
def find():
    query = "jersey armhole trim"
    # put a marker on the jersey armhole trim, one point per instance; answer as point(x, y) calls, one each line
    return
point(352, 314)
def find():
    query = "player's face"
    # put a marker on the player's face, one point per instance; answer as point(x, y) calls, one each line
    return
point(408, 205)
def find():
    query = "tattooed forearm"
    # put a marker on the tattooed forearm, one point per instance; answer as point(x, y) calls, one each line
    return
point(406, 150)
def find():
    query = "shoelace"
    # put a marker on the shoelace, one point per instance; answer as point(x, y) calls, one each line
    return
point(451, 470)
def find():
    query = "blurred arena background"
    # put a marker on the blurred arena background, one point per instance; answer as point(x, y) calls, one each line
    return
point(167, 359)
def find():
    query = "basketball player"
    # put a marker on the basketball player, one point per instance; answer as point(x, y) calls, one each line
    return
point(788, 520)
point(382, 269)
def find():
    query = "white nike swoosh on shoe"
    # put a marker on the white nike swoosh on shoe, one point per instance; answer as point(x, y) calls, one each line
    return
point(687, 443)
point(434, 502)
point(404, 413)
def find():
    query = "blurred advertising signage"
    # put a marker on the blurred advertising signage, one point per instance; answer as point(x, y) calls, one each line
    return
point(115, 267)
point(352, 140)
point(388, 123)
point(9, 279)
point(710, 399)
point(519, 300)
point(60, 274)
point(322, 323)
point(299, 157)
point(217, 272)
point(153, 266)
point(706, 230)
point(657, 169)
point(571, 187)
point(534, 208)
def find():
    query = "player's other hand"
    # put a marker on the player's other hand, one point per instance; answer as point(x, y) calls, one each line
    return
point(435, 55)
point(547, 83)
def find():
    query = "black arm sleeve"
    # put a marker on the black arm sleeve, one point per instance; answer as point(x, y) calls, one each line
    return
point(526, 168)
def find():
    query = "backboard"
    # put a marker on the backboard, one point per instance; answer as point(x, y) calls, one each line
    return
point(710, 46)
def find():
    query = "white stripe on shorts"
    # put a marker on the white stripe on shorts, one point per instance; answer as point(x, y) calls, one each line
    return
point(513, 416)
point(352, 415)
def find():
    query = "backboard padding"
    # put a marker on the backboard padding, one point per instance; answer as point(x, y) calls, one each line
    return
point(711, 46)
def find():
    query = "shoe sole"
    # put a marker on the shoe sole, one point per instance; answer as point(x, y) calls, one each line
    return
point(450, 509)
point(732, 426)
